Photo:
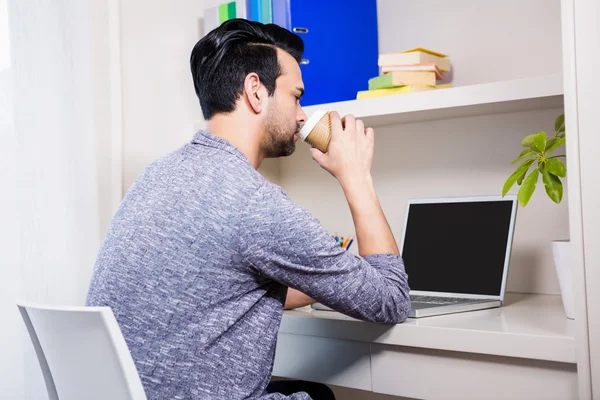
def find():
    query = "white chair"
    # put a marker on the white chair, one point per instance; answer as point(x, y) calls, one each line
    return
point(82, 353)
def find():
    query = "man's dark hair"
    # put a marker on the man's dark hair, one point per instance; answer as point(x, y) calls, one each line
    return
point(222, 59)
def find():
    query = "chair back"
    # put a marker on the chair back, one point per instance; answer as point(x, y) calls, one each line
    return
point(82, 353)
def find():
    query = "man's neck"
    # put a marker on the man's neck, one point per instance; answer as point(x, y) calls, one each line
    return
point(240, 132)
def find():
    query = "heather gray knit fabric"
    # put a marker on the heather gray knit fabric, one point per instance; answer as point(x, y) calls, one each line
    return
point(196, 266)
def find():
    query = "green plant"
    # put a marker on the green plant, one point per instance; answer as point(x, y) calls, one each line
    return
point(537, 153)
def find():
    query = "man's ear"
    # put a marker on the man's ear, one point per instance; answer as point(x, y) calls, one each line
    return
point(255, 92)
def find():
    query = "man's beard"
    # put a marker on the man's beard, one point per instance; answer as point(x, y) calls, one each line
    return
point(279, 137)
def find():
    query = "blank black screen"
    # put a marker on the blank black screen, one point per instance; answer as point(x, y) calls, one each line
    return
point(457, 247)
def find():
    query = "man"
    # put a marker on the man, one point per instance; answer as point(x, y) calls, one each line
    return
point(198, 260)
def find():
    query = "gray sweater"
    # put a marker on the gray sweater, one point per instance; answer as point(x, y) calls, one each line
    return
point(196, 265)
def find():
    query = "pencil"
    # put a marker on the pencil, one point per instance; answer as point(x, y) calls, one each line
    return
point(348, 247)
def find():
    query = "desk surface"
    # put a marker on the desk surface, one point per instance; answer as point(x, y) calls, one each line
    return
point(527, 326)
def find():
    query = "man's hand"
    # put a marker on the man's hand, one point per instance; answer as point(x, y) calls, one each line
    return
point(350, 151)
point(296, 299)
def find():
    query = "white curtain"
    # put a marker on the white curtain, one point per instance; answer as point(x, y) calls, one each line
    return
point(11, 359)
point(56, 158)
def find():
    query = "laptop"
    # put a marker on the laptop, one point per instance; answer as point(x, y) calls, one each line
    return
point(456, 252)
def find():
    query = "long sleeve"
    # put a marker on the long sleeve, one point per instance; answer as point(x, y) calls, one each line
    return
point(283, 242)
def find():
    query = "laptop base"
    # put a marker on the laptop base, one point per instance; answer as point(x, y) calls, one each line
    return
point(421, 310)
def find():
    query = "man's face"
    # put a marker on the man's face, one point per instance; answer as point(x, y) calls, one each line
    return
point(284, 114)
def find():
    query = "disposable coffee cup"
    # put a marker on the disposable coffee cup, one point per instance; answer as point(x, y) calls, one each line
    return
point(317, 131)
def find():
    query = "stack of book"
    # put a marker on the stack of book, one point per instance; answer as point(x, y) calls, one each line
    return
point(414, 70)
point(265, 11)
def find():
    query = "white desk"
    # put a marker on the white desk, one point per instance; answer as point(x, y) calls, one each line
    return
point(523, 350)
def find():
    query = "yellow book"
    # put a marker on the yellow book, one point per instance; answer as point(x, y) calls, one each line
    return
point(369, 94)
point(434, 53)
point(415, 56)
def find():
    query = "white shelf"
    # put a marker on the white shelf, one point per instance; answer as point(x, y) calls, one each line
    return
point(537, 93)
point(527, 326)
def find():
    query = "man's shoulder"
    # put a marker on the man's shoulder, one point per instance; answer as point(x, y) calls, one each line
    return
point(270, 202)
point(197, 162)
point(269, 190)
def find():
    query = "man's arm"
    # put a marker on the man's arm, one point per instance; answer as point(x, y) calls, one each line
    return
point(297, 299)
point(373, 231)
point(281, 241)
point(349, 160)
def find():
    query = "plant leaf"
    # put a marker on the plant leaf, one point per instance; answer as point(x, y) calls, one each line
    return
point(559, 142)
point(553, 186)
point(539, 140)
point(559, 124)
point(528, 187)
point(522, 169)
point(550, 142)
point(524, 154)
point(556, 167)
point(528, 141)
point(520, 179)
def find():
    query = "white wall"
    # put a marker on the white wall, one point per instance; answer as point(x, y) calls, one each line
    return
point(486, 40)
point(159, 103)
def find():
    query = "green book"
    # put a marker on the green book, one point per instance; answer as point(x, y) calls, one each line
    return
point(223, 12)
point(226, 11)
point(231, 10)
point(401, 78)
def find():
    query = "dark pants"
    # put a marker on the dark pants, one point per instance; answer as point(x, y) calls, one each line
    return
point(317, 391)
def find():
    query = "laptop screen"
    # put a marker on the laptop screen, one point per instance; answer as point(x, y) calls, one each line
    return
point(457, 247)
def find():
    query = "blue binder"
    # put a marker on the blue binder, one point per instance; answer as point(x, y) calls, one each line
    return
point(341, 47)
point(281, 13)
point(254, 10)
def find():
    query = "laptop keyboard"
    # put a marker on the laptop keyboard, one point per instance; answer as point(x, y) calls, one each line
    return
point(437, 300)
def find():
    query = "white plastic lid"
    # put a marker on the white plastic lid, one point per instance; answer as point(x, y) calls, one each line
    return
point(311, 123)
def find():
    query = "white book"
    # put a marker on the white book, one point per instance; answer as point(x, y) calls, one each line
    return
point(420, 67)
point(414, 57)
